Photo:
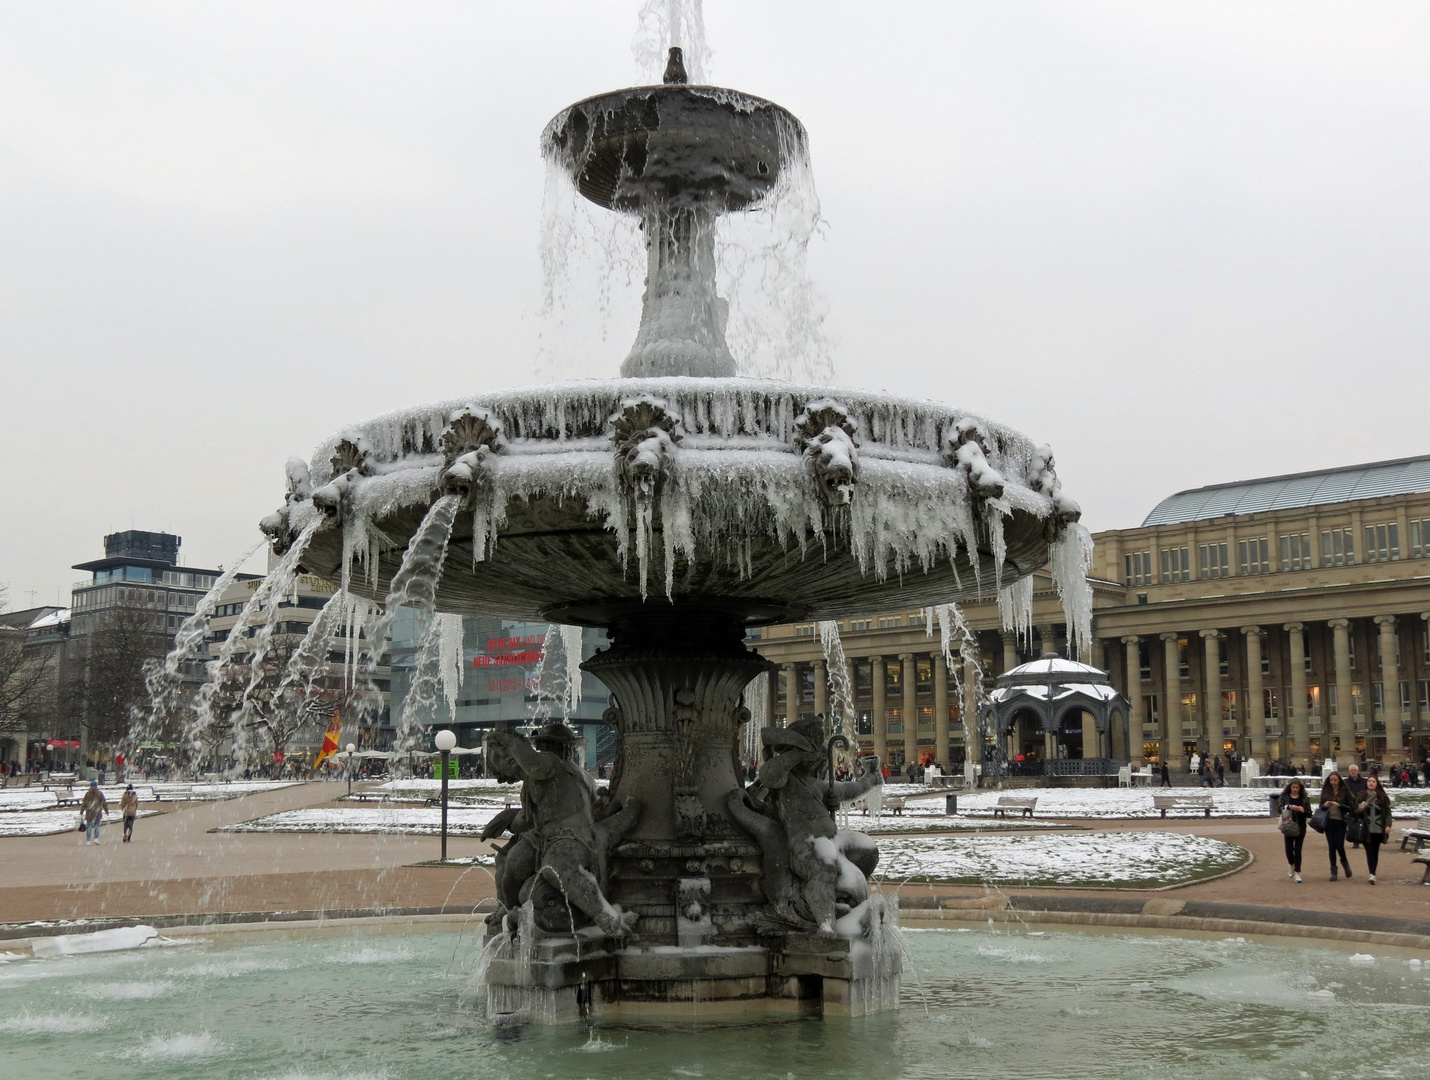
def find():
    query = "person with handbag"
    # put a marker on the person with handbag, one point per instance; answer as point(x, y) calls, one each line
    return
point(1336, 805)
point(1295, 808)
point(1373, 818)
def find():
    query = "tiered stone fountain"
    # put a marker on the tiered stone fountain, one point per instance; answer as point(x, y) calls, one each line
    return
point(675, 508)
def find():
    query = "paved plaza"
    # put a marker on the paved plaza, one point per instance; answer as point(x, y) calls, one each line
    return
point(179, 866)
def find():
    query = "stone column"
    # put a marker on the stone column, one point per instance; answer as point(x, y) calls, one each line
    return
point(1172, 706)
point(1296, 710)
point(940, 710)
point(911, 710)
point(791, 693)
point(1255, 697)
point(1010, 650)
point(881, 715)
point(1133, 654)
point(1390, 691)
point(1047, 641)
point(1345, 701)
point(974, 749)
point(1211, 660)
point(821, 690)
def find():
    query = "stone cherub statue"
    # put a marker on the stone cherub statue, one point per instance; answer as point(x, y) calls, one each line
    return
point(562, 834)
point(815, 875)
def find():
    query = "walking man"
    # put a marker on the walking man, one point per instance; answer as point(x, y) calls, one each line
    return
point(91, 811)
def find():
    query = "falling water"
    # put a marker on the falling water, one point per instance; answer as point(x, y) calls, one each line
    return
point(449, 652)
point(571, 645)
point(206, 728)
point(663, 23)
point(959, 645)
point(165, 682)
point(844, 718)
point(419, 706)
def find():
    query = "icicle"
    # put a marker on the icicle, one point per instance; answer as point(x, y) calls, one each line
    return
point(571, 643)
point(449, 635)
point(1015, 607)
point(1071, 559)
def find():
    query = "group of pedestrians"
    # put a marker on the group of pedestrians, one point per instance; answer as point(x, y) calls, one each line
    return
point(1355, 809)
point(94, 806)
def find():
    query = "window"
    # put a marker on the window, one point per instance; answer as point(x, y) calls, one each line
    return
point(1139, 568)
point(1296, 551)
point(1184, 670)
point(1382, 542)
point(1144, 659)
point(1212, 561)
point(1149, 708)
point(1338, 548)
point(926, 716)
point(888, 621)
point(1265, 663)
point(923, 674)
point(807, 630)
point(1404, 698)
point(1420, 539)
point(1255, 556)
point(1223, 666)
point(1424, 686)
point(896, 721)
point(1377, 698)
point(1176, 566)
point(1271, 702)
point(856, 625)
point(1331, 698)
point(1357, 700)
point(893, 674)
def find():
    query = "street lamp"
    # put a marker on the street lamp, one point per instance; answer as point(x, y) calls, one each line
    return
point(445, 741)
point(351, 748)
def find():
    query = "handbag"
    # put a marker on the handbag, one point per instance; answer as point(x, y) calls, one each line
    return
point(1357, 828)
point(1319, 819)
point(1288, 824)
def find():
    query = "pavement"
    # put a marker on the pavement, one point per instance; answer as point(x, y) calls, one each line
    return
point(176, 866)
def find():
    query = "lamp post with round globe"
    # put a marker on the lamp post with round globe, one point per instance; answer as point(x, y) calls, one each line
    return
point(352, 748)
point(445, 741)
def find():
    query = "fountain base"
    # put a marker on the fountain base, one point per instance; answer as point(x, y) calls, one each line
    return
point(562, 980)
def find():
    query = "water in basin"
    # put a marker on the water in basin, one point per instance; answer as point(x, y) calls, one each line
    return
point(977, 1004)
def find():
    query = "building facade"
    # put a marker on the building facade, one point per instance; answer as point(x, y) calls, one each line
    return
point(1286, 618)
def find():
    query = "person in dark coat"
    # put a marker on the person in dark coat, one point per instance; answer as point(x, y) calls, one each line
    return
point(1166, 775)
point(1336, 800)
point(1373, 808)
point(1293, 795)
point(1355, 784)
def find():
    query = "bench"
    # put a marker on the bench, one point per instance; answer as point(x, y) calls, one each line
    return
point(1027, 804)
point(1425, 880)
point(1417, 834)
point(1183, 802)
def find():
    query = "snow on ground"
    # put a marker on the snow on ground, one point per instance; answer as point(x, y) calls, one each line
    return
point(50, 822)
point(1129, 860)
point(1134, 802)
point(931, 818)
point(36, 797)
point(405, 820)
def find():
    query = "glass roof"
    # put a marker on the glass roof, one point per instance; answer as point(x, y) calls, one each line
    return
point(1374, 481)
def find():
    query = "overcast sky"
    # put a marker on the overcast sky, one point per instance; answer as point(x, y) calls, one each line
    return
point(1182, 242)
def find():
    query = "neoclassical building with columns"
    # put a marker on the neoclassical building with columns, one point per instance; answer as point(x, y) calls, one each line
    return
point(1283, 618)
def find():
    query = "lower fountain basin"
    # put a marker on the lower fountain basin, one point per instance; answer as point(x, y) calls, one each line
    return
point(364, 1002)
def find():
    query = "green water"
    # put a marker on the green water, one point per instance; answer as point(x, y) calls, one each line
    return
point(982, 1005)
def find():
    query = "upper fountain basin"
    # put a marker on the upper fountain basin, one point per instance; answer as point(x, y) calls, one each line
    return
point(673, 145)
point(775, 501)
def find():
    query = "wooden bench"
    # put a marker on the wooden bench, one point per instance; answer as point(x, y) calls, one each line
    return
point(1417, 834)
point(1183, 802)
point(1425, 880)
point(1026, 803)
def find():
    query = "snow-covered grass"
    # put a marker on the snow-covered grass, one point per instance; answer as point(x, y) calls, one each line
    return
point(50, 822)
point(1141, 860)
point(408, 820)
point(1131, 803)
point(931, 818)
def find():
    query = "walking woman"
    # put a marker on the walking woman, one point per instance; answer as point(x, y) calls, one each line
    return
point(1293, 797)
point(1374, 810)
point(1336, 802)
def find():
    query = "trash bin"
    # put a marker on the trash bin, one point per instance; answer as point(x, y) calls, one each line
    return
point(950, 803)
point(1274, 797)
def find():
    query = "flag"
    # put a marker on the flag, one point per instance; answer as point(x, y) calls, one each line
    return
point(330, 740)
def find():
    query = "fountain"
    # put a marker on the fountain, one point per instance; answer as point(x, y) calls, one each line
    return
point(675, 508)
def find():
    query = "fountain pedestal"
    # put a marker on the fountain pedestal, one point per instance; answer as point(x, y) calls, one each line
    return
point(692, 875)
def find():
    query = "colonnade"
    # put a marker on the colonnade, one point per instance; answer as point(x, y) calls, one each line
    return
point(1251, 727)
